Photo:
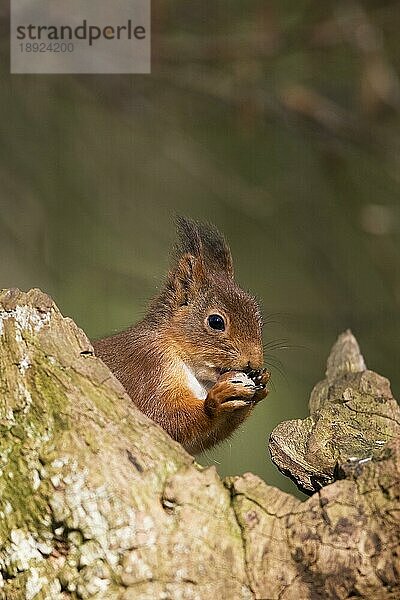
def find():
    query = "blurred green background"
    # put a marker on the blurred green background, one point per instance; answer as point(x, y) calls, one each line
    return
point(279, 122)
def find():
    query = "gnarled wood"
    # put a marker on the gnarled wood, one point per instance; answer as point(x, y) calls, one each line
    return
point(96, 501)
point(352, 416)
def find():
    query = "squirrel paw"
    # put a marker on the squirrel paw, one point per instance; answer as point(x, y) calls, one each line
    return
point(232, 391)
point(260, 378)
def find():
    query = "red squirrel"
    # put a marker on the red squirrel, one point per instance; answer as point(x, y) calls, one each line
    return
point(194, 364)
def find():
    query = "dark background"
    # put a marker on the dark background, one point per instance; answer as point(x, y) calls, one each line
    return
point(277, 121)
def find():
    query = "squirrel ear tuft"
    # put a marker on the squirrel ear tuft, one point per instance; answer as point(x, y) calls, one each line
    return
point(186, 278)
point(205, 242)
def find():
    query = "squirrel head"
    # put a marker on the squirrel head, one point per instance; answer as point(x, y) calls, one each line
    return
point(210, 322)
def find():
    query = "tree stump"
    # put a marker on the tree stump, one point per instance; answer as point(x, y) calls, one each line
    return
point(96, 501)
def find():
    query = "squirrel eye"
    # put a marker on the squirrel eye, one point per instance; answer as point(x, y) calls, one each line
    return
point(216, 322)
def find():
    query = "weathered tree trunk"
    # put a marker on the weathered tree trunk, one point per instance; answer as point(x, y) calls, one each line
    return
point(96, 501)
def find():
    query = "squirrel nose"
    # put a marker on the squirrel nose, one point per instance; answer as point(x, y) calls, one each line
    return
point(255, 364)
point(252, 362)
point(255, 358)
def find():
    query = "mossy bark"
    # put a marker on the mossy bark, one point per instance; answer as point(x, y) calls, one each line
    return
point(96, 501)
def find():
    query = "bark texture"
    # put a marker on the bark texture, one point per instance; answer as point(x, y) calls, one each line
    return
point(352, 416)
point(96, 501)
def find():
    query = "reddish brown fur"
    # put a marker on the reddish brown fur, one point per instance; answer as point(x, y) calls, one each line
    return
point(148, 357)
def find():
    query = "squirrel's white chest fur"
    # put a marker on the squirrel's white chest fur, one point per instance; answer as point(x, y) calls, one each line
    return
point(193, 384)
